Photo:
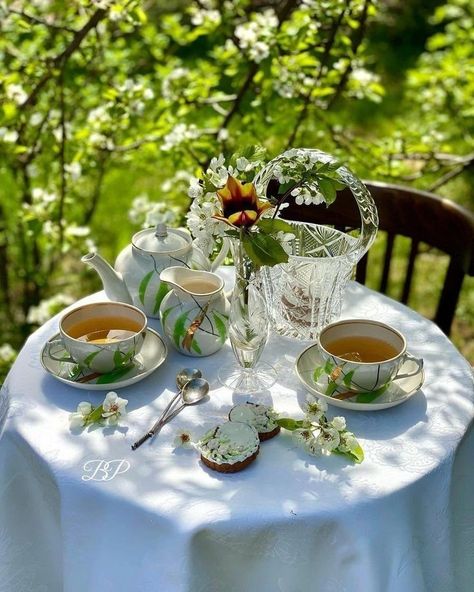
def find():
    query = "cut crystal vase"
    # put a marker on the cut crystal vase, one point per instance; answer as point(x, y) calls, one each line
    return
point(306, 293)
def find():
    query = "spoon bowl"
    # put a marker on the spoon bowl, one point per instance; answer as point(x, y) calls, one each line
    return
point(194, 391)
point(185, 375)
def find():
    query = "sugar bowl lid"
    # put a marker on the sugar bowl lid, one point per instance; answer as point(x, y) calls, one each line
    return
point(161, 239)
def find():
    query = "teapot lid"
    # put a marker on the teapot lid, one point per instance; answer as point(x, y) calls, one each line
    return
point(160, 240)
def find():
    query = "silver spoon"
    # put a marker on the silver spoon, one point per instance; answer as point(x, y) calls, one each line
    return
point(183, 376)
point(193, 392)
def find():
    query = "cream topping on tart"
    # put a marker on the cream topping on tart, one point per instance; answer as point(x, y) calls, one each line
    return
point(261, 417)
point(229, 443)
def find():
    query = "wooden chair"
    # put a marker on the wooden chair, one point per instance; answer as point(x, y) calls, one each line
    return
point(421, 216)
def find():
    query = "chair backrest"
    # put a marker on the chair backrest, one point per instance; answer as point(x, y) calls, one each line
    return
point(418, 215)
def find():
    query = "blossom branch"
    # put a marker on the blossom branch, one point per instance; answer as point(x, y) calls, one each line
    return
point(356, 43)
point(37, 21)
point(322, 64)
point(59, 60)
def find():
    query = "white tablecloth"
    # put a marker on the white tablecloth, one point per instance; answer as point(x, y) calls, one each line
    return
point(157, 520)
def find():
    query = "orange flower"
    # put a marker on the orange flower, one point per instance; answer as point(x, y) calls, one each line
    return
point(240, 205)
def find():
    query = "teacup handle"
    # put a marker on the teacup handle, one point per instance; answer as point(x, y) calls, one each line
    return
point(57, 342)
point(419, 367)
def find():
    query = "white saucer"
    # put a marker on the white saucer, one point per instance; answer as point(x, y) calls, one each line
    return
point(151, 356)
point(398, 392)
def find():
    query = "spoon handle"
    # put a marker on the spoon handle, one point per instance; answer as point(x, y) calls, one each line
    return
point(171, 415)
point(157, 423)
point(143, 439)
point(167, 408)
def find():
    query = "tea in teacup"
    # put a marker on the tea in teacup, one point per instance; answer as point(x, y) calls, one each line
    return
point(363, 355)
point(103, 336)
point(359, 348)
point(104, 329)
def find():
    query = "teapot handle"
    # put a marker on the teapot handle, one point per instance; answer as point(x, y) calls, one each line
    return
point(203, 261)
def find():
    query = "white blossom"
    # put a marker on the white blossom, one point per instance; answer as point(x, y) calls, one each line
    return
point(7, 353)
point(363, 76)
point(339, 423)
point(73, 231)
point(328, 439)
point(36, 118)
point(74, 169)
point(147, 213)
point(195, 188)
point(178, 135)
point(200, 17)
point(223, 135)
point(8, 136)
point(302, 437)
point(315, 408)
point(183, 439)
point(38, 315)
point(259, 51)
point(113, 407)
point(16, 93)
point(79, 418)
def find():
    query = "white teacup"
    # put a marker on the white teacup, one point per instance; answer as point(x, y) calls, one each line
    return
point(369, 340)
point(102, 336)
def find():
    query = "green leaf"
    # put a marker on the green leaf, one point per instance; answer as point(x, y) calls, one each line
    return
point(369, 397)
point(220, 326)
point(319, 371)
point(289, 424)
point(264, 249)
point(162, 291)
point(143, 285)
point(348, 378)
point(274, 225)
point(356, 455)
point(179, 329)
point(328, 367)
point(195, 346)
point(115, 375)
point(95, 416)
point(327, 188)
point(118, 358)
point(331, 388)
point(88, 359)
point(166, 313)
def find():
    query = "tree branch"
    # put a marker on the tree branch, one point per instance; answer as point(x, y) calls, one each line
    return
point(356, 42)
point(64, 55)
point(37, 21)
point(451, 175)
point(322, 64)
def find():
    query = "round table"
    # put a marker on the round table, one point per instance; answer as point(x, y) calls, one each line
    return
point(84, 513)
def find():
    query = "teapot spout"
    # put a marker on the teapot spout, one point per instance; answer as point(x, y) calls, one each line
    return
point(114, 285)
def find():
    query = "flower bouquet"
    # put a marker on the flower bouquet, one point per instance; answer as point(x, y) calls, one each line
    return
point(307, 265)
point(228, 202)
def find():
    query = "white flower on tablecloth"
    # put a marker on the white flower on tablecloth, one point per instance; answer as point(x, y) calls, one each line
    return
point(302, 437)
point(313, 446)
point(113, 407)
point(348, 442)
point(79, 418)
point(315, 408)
point(328, 439)
point(339, 423)
point(183, 439)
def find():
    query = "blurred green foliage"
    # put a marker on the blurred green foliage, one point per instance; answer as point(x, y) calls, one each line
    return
point(106, 101)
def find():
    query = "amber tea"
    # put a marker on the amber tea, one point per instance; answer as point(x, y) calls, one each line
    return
point(361, 349)
point(104, 330)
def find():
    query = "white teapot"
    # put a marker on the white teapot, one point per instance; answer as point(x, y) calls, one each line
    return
point(136, 277)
